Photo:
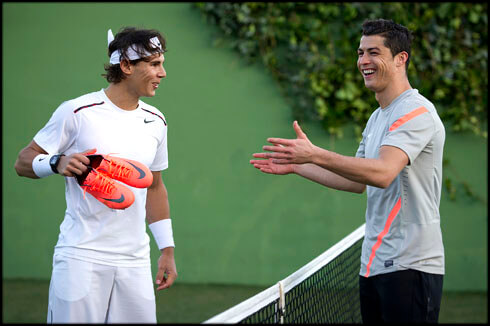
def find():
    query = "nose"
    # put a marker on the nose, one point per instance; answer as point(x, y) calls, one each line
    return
point(363, 60)
point(162, 73)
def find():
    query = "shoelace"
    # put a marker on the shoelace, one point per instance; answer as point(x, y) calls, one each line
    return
point(100, 184)
point(118, 170)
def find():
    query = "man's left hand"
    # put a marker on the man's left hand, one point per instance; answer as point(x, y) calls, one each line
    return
point(167, 271)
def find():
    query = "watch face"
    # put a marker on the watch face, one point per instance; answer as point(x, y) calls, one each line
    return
point(54, 159)
point(54, 162)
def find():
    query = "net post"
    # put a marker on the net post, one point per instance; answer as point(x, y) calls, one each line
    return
point(282, 302)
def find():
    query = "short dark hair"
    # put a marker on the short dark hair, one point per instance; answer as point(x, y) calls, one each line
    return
point(397, 37)
point(123, 39)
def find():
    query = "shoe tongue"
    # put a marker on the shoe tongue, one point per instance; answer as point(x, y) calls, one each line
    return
point(95, 160)
point(94, 163)
point(81, 178)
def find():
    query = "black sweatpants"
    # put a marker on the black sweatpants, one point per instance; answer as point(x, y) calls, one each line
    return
point(407, 296)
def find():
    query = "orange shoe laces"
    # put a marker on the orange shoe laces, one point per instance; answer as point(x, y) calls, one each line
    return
point(118, 170)
point(101, 184)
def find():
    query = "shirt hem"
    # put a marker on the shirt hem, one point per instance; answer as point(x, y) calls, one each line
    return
point(76, 254)
point(425, 269)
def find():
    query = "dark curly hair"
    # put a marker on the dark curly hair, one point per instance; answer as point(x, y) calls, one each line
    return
point(126, 37)
point(397, 37)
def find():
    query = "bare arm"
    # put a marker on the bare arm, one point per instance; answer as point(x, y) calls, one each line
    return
point(328, 178)
point(309, 171)
point(157, 208)
point(378, 172)
point(23, 164)
point(68, 166)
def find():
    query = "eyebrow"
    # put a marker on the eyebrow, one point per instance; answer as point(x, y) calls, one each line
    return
point(157, 60)
point(369, 49)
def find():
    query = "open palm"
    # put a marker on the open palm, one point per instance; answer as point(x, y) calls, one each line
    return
point(267, 166)
point(286, 153)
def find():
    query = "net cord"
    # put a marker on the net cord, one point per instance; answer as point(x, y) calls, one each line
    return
point(239, 312)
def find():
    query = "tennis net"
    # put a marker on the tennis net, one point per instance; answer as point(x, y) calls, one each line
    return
point(326, 290)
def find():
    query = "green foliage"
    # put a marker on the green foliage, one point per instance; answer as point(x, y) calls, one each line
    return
point(456, 186)
point(311, 50)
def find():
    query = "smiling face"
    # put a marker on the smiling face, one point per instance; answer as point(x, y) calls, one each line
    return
point(144, 77)
point(376, 63)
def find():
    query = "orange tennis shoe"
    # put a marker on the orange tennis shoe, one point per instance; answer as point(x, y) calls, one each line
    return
point(106, 190)
point(132, 173)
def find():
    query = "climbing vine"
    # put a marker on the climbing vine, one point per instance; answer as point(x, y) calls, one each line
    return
point(311, 50)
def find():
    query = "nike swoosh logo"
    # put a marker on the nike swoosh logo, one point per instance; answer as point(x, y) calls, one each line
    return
point(41, 159)
point(148, 121)
point(141, 172)
point(120, 200)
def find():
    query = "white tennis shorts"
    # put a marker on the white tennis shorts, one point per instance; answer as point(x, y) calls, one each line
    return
point(85, 292)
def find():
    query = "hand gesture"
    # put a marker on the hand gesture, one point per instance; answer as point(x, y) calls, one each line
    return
point(267, 166)
point(291, 151)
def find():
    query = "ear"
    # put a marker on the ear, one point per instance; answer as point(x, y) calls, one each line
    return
point(401, 59)
point(126, 66)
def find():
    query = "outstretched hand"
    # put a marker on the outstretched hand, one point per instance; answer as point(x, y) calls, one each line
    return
point(267, 166)
point(289, 151)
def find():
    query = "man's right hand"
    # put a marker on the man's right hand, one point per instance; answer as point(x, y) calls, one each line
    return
point(267, 166)
point(75, 164)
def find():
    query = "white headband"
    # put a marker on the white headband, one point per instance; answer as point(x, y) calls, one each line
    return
point(132, 54)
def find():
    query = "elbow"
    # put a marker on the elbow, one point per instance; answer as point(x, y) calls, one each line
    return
point(21, 170)
point(357, 188)
point(384, 182)
point(17, 168)
point(23, 164)
point(360, 190)
point(382, 185)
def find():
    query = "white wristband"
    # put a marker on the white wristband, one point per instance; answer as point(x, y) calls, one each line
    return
point(41, 167)
point(162, 232)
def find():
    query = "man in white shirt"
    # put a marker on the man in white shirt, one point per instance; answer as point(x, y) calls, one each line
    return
point(101, 264)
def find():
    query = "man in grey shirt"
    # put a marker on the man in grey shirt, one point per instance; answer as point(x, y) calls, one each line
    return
point(399, 162)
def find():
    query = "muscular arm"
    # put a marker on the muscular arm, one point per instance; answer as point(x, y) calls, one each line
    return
point(23, 164)
point(68, 166)
point(328, 178)
point(157, 208)
point(379, 172)
point(309, 171)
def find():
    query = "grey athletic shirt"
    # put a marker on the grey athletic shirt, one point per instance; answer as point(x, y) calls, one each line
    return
point(402, 221)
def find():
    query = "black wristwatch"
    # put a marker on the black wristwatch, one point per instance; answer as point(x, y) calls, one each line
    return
point(53, 162)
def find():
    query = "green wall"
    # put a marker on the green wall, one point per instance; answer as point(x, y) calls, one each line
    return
point(232, 224)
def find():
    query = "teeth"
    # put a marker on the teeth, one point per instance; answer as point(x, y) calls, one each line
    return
point(368, 71)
